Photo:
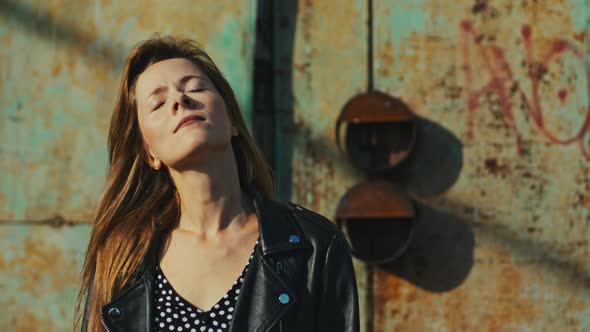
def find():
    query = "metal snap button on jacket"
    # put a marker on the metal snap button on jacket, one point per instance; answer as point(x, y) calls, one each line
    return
point(114, 312)
point(284, 298)
point(294, 239)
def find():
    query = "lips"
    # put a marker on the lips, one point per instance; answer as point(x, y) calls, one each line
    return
point(187, 119)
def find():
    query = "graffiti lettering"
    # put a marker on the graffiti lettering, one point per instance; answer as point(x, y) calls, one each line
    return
point(503, 83)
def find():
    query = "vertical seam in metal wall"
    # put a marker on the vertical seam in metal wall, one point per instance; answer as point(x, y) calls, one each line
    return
point(370, 85)
point(264, 103)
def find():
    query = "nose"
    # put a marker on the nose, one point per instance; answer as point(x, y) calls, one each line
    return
point(182, 100)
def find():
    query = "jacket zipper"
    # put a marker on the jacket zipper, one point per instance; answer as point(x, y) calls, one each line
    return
point(279, 273)
point(103, 323)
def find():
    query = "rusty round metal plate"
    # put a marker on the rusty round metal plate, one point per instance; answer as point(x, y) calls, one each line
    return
point(380, 131)
point(377, 219)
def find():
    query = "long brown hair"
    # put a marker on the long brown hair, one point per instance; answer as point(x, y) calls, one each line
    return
point(137, 199)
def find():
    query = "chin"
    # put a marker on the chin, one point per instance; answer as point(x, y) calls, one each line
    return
point(199, 149)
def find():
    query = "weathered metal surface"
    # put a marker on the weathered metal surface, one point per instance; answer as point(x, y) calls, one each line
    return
point(503, 234)
point(40, 268)
point(59, 75)
point(321, 63)
point(501, 173)
point(510, 81)
point(60, 66)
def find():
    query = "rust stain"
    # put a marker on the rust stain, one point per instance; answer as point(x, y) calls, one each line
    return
point(495, 168)
point(508, 307)
point(307, 24)
point(385, 58)
point(511, 281)
point(455, 312)
point(42, 260)
point(23, 319)
point(562, 94)
point(41, 271)
point(56, 69)
point(307, 19)
point(480, 6)
point(390, 287)
point(483, 10)
point(39, 260)
point(6, 40)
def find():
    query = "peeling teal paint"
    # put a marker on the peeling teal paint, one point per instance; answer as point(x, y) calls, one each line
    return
point(406, 18)
point(234, 56)
point(579, 14)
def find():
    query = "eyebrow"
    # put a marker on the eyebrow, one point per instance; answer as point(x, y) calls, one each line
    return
point(162, 88)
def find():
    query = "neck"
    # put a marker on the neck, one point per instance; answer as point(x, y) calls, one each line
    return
point(211, 200)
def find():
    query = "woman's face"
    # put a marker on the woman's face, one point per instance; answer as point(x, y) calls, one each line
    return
point(169, 91)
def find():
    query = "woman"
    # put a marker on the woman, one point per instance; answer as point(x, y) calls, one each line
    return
point(187, 235)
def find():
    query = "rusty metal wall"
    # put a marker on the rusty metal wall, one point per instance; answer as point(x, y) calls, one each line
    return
point(500, 171)
point(60, 65)
point(321, 61)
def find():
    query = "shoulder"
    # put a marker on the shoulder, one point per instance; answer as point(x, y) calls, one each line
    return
point(314, 226)
point(315, 229)
point(327, 239)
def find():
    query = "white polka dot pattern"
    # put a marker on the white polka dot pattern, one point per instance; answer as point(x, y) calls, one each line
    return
point(174, 313)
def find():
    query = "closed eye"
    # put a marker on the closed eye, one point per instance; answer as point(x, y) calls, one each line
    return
point(158, 106)
point(197, 90)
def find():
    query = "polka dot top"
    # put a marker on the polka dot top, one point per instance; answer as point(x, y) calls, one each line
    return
point(174, 313)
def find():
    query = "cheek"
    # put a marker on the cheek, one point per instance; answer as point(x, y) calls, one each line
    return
point(221, 113)
point(153, 131)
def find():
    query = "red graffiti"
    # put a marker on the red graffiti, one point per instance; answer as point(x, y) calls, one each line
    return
point(504, 85)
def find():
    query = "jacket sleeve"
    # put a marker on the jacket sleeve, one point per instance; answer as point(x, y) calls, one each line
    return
point(338, 307)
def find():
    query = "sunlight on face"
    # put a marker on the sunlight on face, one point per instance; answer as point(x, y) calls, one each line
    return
point(170, 90)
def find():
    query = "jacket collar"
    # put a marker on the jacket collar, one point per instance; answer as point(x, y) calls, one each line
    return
point(277, 229)
point(257, 307)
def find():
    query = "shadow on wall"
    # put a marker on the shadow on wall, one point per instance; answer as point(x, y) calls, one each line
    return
point(272, 118)
point(285, 19)
point(41, 23)
point(440, 254)
point(434, 164)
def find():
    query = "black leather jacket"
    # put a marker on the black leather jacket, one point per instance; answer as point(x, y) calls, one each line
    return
point(300, 253)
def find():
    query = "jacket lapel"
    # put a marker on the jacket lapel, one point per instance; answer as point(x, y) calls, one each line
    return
point(270, 287)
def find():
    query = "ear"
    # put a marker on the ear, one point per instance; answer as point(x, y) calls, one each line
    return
point(157, 164)
point(154, 162)
point(234, 131)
